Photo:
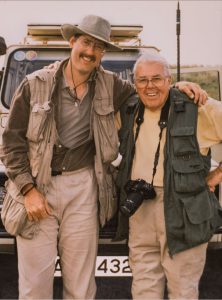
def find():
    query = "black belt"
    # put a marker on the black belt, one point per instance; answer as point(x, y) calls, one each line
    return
point(56, 173)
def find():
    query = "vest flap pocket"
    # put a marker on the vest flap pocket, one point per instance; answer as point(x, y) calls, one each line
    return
point(103, 107)
point(198, 208)
point(183, 140)
point(182, 131)
point(188, 175)
point(187, 164)
point(37, 120)
point(105, 131)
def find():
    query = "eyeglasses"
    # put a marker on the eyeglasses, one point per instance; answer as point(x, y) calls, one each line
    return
point(157, 81)
point(97, 46)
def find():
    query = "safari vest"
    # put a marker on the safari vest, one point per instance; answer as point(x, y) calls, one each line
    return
point(42, 135)
point(191, 210)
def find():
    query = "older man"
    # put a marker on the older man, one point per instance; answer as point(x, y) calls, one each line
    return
point(164, 188)
point(57, 152)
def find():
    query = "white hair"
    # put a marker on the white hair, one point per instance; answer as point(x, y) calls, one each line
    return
point(152, 57)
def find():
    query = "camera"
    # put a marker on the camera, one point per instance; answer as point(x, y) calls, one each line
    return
point(137, 191)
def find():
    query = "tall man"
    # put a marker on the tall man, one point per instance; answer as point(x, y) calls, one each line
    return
point(58, 147)
point(163, 181)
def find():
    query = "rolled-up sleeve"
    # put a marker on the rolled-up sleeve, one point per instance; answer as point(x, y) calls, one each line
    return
point(209, 126)
point(14, 143)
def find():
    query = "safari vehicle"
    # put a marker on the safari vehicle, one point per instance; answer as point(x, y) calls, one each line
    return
point(44, 45)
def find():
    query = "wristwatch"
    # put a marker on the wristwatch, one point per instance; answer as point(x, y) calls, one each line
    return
point(27, 188)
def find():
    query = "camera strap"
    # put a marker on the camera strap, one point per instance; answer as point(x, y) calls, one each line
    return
point(162, 124)
point(139, 119)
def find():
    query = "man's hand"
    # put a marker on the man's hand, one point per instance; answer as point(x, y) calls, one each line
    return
point(213, 178)
point(193, 91)
point(36, 205)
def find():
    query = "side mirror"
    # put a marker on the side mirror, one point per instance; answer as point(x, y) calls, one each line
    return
point(2, 46)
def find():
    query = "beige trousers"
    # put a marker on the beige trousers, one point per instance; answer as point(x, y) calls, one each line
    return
point(72, 232)
point(150, 262)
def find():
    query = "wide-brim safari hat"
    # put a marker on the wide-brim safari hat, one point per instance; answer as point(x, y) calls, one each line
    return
point(94, 26)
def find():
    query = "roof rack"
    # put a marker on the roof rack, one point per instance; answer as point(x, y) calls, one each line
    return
point(121, 35)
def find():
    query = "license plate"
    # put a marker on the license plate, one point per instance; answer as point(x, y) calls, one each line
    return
point(111, 266)
point(106, 266)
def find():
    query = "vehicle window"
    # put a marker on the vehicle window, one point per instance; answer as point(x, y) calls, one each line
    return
point(123, 68)
point(25, 61)
point(208, 80)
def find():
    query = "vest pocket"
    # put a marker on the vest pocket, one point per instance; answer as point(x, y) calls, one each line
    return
point(183, 141)
point(197, 213)
point(188, 175)
point(105, 129)
point(14, 215)
point(37, 120)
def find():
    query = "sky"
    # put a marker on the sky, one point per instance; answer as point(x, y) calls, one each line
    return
point(201, 23)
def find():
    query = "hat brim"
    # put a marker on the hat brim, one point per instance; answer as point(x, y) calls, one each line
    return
point(69, 31)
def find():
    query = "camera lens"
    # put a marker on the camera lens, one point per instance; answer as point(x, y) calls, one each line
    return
point(131, 204)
